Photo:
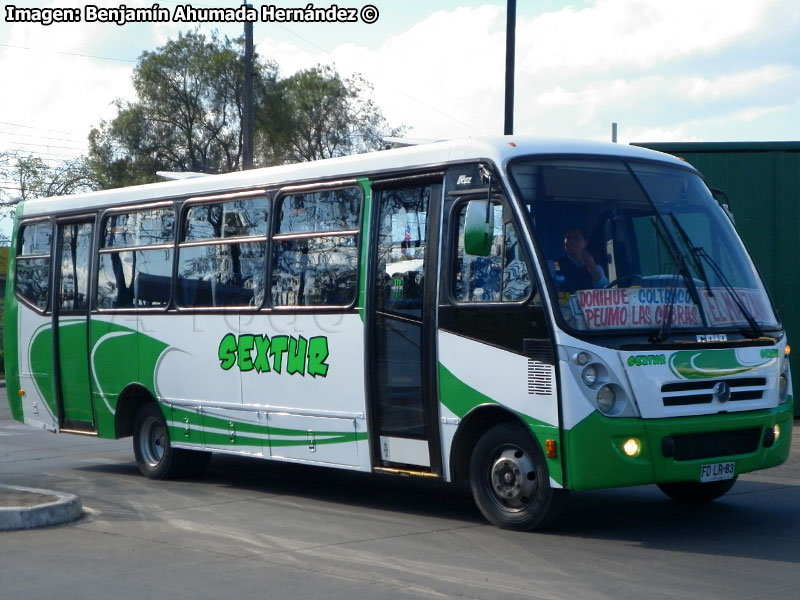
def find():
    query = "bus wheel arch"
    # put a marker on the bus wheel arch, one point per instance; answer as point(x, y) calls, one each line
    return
point(155, 455)
point(477, 422)
point(130, 401)
point(140, 415)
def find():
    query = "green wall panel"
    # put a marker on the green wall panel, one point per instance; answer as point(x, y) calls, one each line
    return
point(762, 182)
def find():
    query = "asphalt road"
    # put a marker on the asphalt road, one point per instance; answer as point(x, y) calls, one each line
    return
point(252, 529)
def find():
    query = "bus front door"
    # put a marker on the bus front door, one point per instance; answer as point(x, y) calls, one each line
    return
point(70, 315)
point(401, 323)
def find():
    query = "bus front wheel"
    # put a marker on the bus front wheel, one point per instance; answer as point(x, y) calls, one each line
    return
point(510, 482)
point(155, 456)
point(694, 492)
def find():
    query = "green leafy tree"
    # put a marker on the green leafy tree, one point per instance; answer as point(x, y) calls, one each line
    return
point(188, 108)
point(31, 177)
point(322, 116)
point(187, 115)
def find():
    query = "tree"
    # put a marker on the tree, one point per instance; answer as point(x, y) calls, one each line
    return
point(187, 115)
point(322, 116)
point(31, 177)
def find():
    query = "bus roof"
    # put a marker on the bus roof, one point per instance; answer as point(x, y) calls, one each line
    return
point(437, 154)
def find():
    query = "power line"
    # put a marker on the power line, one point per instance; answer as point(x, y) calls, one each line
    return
point(39, 137)
point(12, 142)
point(39, 128)
point(128, 60)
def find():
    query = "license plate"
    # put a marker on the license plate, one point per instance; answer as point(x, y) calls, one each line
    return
point(717, 471)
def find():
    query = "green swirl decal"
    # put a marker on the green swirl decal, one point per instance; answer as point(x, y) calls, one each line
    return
point(707, 364)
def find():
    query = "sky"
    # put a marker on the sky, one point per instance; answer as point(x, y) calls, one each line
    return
point(663, 70)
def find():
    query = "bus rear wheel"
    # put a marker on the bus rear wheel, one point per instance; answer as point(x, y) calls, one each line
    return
point(510, 482)
point(695, 492)
point(155, 456)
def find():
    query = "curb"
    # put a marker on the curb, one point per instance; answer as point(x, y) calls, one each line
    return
point(63, 508)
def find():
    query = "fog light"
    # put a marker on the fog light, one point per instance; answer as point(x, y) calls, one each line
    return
point(776, 430)
point(605, 399)
point(589, 375)
point(632, 447)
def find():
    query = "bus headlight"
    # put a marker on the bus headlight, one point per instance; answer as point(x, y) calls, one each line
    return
point(589, 375)
point(605, 399)
point(783, 387)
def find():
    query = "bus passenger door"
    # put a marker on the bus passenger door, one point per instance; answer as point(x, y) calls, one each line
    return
point(70, 316)
point(401, 326)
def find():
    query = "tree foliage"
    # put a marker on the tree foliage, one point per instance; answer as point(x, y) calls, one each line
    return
point(30, 177)
point(322, 116)
point(186, 116)
point(188, 107)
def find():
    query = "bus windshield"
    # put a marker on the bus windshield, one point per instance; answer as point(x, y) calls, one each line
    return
point(639, 247)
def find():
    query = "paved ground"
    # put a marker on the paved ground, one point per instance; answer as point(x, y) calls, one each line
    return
point(256, 529)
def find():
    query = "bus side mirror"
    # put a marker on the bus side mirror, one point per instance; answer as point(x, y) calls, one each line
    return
point(479, 228)
point(722, 198)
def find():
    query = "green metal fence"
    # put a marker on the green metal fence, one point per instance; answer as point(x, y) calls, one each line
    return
point(762, 182)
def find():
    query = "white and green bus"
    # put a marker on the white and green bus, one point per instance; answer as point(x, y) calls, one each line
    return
point(417, 311)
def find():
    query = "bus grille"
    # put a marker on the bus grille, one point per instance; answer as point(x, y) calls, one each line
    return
point(696, 446)
point(685, 393)
point(540, 366)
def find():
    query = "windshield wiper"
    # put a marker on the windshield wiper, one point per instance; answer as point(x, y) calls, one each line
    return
point(697, 253)
point(680, 261)
point(754, 326)
point(693, 251)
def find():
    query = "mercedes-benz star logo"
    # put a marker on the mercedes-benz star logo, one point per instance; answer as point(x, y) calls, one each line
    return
point(722, 391)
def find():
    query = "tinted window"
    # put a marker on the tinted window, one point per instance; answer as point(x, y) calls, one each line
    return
point(237, 218)
point(32, 277)
point(309, 266)
point(135, 262)
point(327, 210)
point(213, 272)
point(500, 277)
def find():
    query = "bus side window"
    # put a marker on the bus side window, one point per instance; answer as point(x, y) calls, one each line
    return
point(223, 252)
point(135, 262)
point(401, 249)
point(500, 277)
point(32, 280)
point(315, 249)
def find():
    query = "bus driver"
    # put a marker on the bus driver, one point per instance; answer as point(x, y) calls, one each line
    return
point(577, 269)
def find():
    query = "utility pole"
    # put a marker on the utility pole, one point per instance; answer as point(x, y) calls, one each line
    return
point(511, 28)
point(247, 100)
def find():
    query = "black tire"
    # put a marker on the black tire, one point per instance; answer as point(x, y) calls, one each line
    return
point(155, 456)
point(510, 481)
point(694, 492)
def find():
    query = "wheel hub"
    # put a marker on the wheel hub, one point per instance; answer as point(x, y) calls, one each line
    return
point(513, 477)
point(153, 442)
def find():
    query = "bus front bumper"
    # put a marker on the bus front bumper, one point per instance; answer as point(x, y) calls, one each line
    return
point(674, 449)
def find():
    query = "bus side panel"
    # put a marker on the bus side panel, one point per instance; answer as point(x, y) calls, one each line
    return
point(474, 374)
point(11, 331)
point(303, 372)
point(113, 348)
point(310, 384)
point(35, 368)
point(179, 360)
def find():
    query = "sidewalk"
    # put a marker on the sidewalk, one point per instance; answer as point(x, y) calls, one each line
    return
point(27, 508)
